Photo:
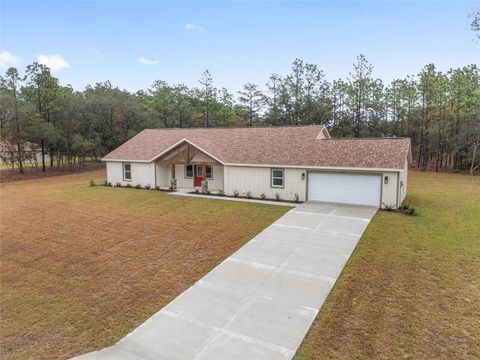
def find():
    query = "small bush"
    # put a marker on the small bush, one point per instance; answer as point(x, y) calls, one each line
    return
point(157, 187)
point(138, 186)
point(105, 182)
point(263, 196)
point(248, 194)
point(408, 209)
point(147, 187)
point(109, 183)
point(118, 184)
point(277, 197)
point(220, 193)
point(128, 185)
point(236, 193)
point(197, 191)
point(92, 183)
point(297, 197)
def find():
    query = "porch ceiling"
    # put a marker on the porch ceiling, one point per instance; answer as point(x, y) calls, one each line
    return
point(186, 153)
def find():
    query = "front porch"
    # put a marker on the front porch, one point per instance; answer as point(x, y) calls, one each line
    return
point(190, 167)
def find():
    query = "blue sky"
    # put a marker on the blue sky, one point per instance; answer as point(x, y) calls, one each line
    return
point(134, 43)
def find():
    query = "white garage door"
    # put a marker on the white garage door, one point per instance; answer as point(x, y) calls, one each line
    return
point(362, 189)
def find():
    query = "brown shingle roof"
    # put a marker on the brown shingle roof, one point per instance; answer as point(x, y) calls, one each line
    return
point(279, 146)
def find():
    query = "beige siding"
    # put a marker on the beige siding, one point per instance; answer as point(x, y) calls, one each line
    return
point(402, 189)
point(389, 191)
point(258, 181)
point(163, 175)
point(142, 173)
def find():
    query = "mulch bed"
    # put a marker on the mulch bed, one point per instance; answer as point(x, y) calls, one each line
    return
point(247, 198)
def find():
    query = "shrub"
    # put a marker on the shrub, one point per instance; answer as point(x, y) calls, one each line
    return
point(147, 187)
point(236, 193)
point(138, 186)
point(109, 183)
point(105, 183)
point(277, 197)
point(157, 187)
point(263, 196)
point(92, 183)
point(408, 209)
point(248, 194)
point(118, 184)
point(297, 197)
point(197, 191)
point(128, 185)
point(220, 193)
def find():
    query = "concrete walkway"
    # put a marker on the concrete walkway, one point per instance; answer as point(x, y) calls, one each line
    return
point(260, 302)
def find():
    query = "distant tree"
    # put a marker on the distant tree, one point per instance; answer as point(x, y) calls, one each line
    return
point(475, 24)
point(44, 92)
point(206, 81)
point(226, 100)
point(297, 87)
point(272, 115)
point(10, 85)
point(251, 99)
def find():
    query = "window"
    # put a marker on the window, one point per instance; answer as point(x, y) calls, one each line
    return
point(199, 171)
point(209, 172)
point(188, 171)
point(278, 178)
point(127, 172)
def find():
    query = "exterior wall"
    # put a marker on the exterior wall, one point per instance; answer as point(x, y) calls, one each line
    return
point(402, 184)
point(163, 175)
point(389, 191)
point(258, 181)
point(142, 173)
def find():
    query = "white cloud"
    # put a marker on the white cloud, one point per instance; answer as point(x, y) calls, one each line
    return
point(54, 62)
point(8, 59)
point(145, 61)
point(193, 27)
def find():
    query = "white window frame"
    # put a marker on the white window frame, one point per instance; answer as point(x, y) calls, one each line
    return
point(125, 171)
point(277, 177)
point(193, 170)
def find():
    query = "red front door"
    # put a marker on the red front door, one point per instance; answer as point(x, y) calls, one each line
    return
point(199, 175)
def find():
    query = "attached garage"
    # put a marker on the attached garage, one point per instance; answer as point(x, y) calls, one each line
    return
point(348, 188)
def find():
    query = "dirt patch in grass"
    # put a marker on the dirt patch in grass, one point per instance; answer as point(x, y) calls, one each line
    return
point(82, 266)
point(9, 175)
point(412, 287)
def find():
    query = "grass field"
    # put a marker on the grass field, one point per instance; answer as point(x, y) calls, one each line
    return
point(411, 289)
point(82, 266)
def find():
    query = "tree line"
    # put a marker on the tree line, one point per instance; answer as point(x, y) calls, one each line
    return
point(439, 111)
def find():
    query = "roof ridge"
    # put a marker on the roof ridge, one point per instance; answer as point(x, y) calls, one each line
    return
point(238, 127)
point(370, 138)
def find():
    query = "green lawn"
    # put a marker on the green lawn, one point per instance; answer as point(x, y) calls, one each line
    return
point(411, 290)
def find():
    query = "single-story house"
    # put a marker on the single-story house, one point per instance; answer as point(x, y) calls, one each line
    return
point(287, 161)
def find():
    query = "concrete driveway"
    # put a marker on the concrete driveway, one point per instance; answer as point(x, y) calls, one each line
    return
point(260, 302)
